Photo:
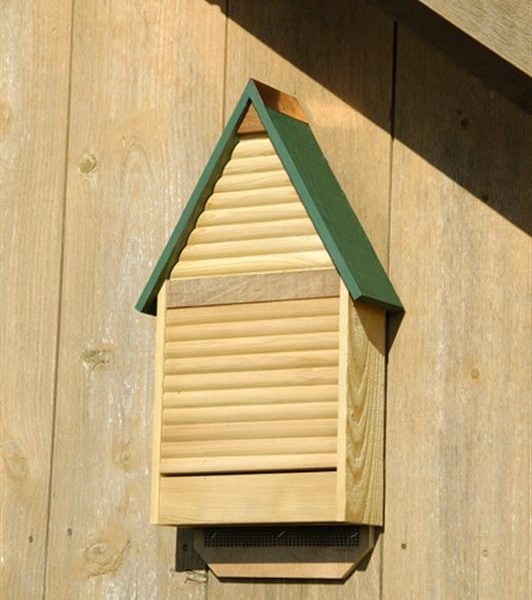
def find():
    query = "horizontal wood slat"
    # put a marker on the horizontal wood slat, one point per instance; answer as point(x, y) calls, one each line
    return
point(237, 379)
point(251, 362)
point(248, 198)
point(252, 231)
point(252, 328)
point(254, 447)
point(253, 164)
point(255, 145)
point(238, 464)
point(251, 396)
point(252, 248)
point(244, 345)
point(253, 264)
point(255, 311)
point(249, 288)
point(250, 181)
point(255, 412)
point(249, 430)
point(256, 214)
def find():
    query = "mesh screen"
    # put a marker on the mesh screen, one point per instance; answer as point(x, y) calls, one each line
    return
point(338, 535)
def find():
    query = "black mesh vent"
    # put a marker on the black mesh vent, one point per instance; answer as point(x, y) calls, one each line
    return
point(346, 536)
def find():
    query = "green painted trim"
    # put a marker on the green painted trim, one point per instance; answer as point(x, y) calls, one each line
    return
point(147, 302)
point(320, 192)
point(328, 208)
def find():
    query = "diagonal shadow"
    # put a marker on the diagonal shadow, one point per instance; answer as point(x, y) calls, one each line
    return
point(470, 137)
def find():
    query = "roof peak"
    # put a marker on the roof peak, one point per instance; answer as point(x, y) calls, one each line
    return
point(316, 185)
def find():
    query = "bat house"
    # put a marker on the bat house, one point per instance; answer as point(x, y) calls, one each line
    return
point(270, 347)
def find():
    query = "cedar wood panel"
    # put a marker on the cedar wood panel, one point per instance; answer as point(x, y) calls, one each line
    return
point(99, 155)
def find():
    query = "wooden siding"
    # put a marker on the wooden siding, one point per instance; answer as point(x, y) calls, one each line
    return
point(285, 417)
point(501, 25)
point(254, 221)
point(436, 171)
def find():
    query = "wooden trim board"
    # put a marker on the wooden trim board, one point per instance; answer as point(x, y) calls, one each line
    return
point(251, 498)
point(160, 332)
point(262, 287)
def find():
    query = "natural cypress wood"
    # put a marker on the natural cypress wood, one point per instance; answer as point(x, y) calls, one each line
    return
point(361, 412)
point(256, 498)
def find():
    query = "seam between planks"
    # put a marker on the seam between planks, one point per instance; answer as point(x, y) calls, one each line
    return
point(59, 301)
point(389, 269)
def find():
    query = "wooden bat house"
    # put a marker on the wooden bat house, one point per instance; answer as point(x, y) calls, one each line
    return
point(270, 346)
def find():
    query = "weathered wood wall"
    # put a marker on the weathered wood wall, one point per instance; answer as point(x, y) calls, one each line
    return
point(109, 111)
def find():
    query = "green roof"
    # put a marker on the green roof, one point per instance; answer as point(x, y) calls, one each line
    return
point(320, 192)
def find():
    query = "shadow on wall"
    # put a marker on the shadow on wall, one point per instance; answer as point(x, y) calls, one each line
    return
point(464, 126)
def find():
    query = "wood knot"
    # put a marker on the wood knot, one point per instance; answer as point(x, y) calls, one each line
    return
point(124, 459)
point(14, 459)
point(95, 357)
point(475, 373)
point(103, 557)
point(87, 164)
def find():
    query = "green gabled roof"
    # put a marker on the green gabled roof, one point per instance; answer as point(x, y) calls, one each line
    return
point(320, 192)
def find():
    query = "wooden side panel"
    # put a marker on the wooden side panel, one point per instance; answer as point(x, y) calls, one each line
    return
point(254, 221)
point(361, 412)
point(35, 61)
point(458, 421)
point(158, 381)
point(263, 425)
point(252, 498)
point(138, 68)
point(353, 58)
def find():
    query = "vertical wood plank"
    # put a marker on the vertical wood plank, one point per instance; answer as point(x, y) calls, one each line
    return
point(33, 124)
point(458, 435)
point(146, 111)
point(350, 46)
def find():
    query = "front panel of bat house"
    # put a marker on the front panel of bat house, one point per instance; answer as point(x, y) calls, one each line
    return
point(250, 389)
point(269, 389)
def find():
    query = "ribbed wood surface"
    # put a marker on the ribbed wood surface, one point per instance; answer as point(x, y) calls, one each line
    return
point(253, 222)
point(251, 388)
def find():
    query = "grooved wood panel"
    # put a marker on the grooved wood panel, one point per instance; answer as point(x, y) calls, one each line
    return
point(501, 25)
point(355, 54)
point(253, 194)
point(458, 421)
point(33, 125)
point(288, 435)
point(146, 107)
